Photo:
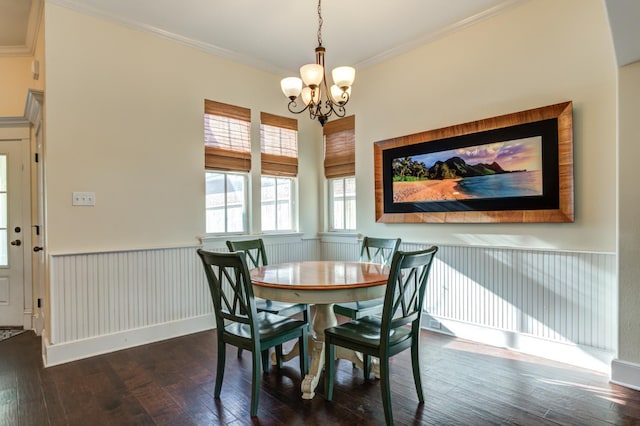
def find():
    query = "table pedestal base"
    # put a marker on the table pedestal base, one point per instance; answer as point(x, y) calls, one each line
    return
point(324, 318)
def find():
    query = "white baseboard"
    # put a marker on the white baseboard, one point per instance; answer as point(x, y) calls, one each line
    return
point(26, 319)
point(625, 373)
point(576, 355)
point(54, 354)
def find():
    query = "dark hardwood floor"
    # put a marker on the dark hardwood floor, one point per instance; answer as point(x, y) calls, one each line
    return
point(171, 383)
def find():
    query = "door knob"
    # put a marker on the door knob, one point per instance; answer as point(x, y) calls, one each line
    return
point(36, 248)
point(16, 242)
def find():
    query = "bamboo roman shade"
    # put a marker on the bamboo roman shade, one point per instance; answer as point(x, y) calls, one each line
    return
point(278, 145)
point(340, 148)
point(227, 137)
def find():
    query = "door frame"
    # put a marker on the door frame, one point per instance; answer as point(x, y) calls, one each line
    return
point(38, 261)
point(18, 129)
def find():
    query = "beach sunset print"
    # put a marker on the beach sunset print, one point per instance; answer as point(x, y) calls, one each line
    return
point(496, 170)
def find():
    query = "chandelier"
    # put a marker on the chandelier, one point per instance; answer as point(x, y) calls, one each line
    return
point(315, 97)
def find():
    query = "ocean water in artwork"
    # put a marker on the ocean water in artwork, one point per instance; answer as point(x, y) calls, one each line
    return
point(518, 184)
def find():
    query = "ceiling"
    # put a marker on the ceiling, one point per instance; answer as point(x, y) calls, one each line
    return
point(280, 35)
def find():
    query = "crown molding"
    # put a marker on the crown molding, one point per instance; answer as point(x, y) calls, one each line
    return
point(427, 38)
point(31, 36)
point(78, 6)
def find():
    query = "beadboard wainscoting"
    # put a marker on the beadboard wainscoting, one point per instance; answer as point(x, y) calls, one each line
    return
point(556, 304)
point(101, 302)
point(560, 305)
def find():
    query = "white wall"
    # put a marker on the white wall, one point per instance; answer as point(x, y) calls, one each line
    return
point(124, 120)
point(537, 53)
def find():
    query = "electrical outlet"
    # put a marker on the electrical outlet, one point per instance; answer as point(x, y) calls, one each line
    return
point(83, 199)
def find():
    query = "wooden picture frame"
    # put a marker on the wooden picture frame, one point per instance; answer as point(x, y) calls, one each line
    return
point(454, 175)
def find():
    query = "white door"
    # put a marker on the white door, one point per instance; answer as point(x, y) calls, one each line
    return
point(12, 232)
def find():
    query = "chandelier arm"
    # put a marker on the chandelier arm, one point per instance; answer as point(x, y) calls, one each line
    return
point(346, 97)
point(312, 113)
point(338, 110)
point(293, 104)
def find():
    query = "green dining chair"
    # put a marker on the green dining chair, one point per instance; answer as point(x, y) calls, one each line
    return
point(257, 256)
point(238, 322)
point(396, 330)
point(376, 250)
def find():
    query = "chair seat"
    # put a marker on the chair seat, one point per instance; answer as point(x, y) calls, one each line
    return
point(365, 332)
point(355, 310)
point(269, 325)
point(279, 308)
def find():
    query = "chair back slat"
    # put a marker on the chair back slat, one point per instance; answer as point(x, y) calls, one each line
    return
point(405, 291)
point(254, 250)
point(230, 287)
point(379, 250)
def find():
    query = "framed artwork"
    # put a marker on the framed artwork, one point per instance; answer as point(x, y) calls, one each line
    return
point(513, 168)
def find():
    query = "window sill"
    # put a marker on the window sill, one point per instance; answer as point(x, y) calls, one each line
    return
point(340, 236)
point(242, 237)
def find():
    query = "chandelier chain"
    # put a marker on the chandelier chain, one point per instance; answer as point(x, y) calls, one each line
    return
point(320, 21)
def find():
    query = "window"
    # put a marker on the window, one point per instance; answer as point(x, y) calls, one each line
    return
point(279, 162)
point(226, 202)
point(227, 148)
point(342, 204)
point(340, 170)
point(277, 203)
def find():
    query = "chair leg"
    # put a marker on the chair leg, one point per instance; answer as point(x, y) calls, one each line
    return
point(303, 342)
point(415, 366)
point(265, 361)
point(306, 315)
point(255, 382)
point(366, 364)
point(220, 370)
point(279, 356)
point(355, 316)
point(329, 367)
point(386, 390)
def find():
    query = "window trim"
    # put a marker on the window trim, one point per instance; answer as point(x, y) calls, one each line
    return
point(293, 206)
point(331, 220)
point(247, 214)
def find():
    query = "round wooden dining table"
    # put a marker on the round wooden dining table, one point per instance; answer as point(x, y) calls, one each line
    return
point(321, 283)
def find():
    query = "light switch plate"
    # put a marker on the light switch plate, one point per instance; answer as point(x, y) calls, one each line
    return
point(84, 199)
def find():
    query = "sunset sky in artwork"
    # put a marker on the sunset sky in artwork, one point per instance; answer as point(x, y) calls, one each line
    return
point(519, 154)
